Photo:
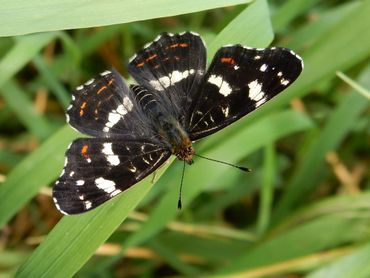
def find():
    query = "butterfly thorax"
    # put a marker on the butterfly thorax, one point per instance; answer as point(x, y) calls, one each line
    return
point(165, 123)
point(176, 138)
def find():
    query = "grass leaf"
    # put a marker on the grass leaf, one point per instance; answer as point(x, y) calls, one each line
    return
point(19, 17)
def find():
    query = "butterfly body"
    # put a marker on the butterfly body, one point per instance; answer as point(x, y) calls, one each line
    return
point(169, 129)
point(135, 128)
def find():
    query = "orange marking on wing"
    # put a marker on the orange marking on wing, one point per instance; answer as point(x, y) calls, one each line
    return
point(101, 89)
point(151, 57)
point(84, 151)
point(184, 45)
point(82, 107)
point(228, 60)
point(174, 45)
point(140, 65)
point(110, 82)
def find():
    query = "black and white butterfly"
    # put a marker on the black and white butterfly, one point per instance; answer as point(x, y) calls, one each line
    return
point(136, 128)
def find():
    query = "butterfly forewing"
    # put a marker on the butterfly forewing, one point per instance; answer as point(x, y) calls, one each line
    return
point(105, 107)
point(239, 80)
point(172, 65)
point(97, 169)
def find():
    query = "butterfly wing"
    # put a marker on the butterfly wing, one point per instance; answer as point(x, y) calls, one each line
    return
point(105, 107)
point(172, 65)
point(97, 169)
point(239, 80)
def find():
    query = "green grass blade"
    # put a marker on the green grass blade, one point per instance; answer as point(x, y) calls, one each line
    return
point(21, 53)
point(39, 169)
point(356, 264)
point(51, 81)
point(266, 198)
point(308, 237)
point(19, 17)
point(337, 127)
point(360, 89)
point(24, 110)
point(173, 259)
point(288, 11)
point(331, 53)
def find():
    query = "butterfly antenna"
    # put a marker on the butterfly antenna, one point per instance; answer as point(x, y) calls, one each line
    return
point(179, 203)
point(245, 169)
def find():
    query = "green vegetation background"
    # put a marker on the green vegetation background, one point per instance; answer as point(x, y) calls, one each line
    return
point(303, 211)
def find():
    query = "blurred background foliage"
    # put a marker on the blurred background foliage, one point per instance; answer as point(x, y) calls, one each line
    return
point(303, 211)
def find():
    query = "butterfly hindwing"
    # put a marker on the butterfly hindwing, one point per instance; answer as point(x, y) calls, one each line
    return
point(105, 107)
point(239, 80)
point(97, 169)
point(173, 65)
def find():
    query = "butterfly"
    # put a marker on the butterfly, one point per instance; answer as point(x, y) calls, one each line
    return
point(134, 129)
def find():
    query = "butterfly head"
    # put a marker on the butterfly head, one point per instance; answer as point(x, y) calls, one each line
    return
point(185, 151)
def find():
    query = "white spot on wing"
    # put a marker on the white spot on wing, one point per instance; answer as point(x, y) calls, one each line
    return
point(284, 82)
point(132, 58)
point(157, 38)
point(106, 185)
point(225, 111)
point(121, 110)
point(132, 169)
point(109, 155)
point(115, 192)
point(87, 204)
point(261, 101)
point(89, 82)
point(105, 72)
point(279, 74)
point(257, 57)
point(58, 207)
point(224, 87)
point(127, 103)
point(80, 182)
point(113, 118)
point(194, 33)
point(79, 87)
point(147, 45)
point(115, 115)
point(263, 68)
point(174, 77)
point(255, 90)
